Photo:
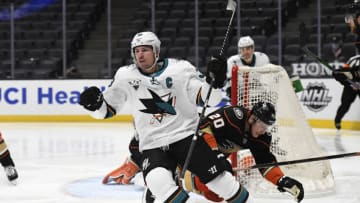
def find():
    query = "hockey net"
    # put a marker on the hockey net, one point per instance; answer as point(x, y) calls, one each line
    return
point(292, 136)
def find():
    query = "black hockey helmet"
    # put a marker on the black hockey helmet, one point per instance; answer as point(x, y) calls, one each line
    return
point(352, 10)
point(265, 111)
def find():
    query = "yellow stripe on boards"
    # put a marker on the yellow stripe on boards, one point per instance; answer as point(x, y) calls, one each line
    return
point(314, 123)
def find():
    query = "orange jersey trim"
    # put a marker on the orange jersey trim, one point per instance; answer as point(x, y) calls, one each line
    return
point(273, 174)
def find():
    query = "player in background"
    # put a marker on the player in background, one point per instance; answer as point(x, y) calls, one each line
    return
point(348, 76)
point(228, 130)
point(7, 162)
point(247, 56)
point(164, 95)
point(353, 21)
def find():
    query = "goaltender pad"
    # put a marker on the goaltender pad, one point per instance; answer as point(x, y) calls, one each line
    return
point(292, 136)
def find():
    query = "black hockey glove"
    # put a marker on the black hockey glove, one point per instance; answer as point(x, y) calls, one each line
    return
point(216, 70)
point(339, 76)
point(291, 186)
point(91, 98)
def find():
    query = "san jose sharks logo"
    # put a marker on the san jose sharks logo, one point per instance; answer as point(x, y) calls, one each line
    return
point(135, 84)
point(158, 107)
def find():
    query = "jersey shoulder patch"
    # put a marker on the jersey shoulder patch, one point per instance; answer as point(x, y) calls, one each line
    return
point(238, 112)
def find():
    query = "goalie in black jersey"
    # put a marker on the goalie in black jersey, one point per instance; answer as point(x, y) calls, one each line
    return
point(227, 130)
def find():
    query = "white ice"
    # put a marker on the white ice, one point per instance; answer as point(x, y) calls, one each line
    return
point(65, 162)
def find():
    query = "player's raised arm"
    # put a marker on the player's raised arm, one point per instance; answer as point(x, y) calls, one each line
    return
point(92, 99)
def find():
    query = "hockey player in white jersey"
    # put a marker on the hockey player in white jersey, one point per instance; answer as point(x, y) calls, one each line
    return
point(164, 95)
point(247, 56)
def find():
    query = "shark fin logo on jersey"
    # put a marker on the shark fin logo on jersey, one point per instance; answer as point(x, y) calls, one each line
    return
point(157, 106)
point(135, 84)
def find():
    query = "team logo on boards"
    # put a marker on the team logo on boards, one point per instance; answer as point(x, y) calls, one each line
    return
point(315, 96)
point(159, 106)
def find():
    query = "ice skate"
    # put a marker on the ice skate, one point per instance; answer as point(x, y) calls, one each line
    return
point(11, 174)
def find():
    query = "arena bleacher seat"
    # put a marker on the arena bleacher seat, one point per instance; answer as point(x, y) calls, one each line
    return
point(38, 36)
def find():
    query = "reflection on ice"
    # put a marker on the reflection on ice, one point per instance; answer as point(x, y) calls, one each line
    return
point(65, 162)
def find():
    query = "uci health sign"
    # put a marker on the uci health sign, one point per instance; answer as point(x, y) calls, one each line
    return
point(44, 97)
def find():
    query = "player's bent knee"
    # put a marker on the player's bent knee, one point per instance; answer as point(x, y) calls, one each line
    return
point(161, 183)
point(179, 196)
point(226, 186)
point(241, 196)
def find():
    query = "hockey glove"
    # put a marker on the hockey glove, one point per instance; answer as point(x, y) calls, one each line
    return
point(216, 70)
point(123, 174)
point(291, 186)
point(91, 98)
point(192, 183)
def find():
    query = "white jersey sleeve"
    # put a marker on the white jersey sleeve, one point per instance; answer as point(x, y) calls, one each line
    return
point(163, 104)
point(260, 60)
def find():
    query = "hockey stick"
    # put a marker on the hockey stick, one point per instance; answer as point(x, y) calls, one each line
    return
point(231, 5)
point(327, 65)
point(320, 158)
point(311, 54)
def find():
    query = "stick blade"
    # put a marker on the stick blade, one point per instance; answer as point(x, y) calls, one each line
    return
point(231, 5)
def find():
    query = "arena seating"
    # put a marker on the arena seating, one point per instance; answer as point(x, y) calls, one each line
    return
point(38, 37)
point(175, 26)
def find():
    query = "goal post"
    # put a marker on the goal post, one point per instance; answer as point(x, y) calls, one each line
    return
point(292, 139)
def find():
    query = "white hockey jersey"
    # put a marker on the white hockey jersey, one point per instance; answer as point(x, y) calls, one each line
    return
point(163, 104)
point(258, 60)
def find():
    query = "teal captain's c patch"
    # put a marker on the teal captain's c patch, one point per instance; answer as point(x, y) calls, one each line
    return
point(169, 82)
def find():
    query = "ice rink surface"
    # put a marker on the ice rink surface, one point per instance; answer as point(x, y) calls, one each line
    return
point(65, 162)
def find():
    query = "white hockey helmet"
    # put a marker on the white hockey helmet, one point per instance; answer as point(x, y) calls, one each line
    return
point(146, 38)
point(246, 41)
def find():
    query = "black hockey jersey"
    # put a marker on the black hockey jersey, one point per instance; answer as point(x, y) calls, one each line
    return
point(230, 127)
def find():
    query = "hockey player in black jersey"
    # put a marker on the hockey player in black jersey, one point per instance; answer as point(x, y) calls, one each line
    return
point(227, 130)
point(349, 77)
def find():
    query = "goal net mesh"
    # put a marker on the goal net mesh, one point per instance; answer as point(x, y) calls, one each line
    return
point(292, 136)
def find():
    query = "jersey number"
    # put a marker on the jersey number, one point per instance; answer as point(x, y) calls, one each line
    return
point(218, 121)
